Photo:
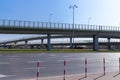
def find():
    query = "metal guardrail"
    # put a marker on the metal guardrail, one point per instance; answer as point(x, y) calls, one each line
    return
point(47, 25)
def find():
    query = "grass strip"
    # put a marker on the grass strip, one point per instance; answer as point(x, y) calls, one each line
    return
point(54, 51)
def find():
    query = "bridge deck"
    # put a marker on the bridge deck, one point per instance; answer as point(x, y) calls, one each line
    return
point(32, 27)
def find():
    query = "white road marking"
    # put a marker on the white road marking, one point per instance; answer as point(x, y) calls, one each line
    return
point(34, 68)
point(53, 55)
point(65, 56)
point(1, 63)
point(63, 60)
point(77, 58)
point(13, 56)
point(2, 76)
point(34, 61)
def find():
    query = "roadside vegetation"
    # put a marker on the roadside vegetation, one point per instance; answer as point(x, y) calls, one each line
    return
point(53, 51)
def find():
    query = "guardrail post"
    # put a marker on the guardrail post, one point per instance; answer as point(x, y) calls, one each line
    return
point(54, 25)
point(28, 23)
point(58, 25)
point(42, 25)
point(33, 24)
point(19, 23)
point(8, 22)
point(38, 24)
point(3, 23)
point(14, 22)
point(24, 24)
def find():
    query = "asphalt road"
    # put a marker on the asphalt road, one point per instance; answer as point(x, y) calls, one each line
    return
point(23, 66)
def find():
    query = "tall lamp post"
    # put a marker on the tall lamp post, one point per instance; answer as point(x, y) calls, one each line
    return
point(73, 8)
point(89, 21)
point(50, 17)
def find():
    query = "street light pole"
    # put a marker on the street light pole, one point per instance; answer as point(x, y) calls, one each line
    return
point(73, 8)
point(50, 17)
point(88, 21)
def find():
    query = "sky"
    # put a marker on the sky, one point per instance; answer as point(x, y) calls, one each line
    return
point(102, 12)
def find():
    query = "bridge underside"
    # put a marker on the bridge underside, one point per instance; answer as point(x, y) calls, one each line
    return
point(88, 31)
point(63, 34)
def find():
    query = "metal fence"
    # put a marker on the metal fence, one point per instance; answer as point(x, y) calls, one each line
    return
point(47, 25)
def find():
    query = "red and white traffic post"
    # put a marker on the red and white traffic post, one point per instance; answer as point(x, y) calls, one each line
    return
point(64, 78)
point(85, 67)
point(119, 65)
point(104, 65)
point(38, 70)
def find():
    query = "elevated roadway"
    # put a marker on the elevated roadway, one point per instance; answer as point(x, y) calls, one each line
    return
point(80, 30)
point(78, 43)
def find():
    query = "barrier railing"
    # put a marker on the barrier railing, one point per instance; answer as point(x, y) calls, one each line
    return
point(86, 68)
point(62, 26)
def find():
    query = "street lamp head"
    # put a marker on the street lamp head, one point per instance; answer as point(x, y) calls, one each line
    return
point(70, 6)
point(75, 6)
point(51, 14)
point(89, 17)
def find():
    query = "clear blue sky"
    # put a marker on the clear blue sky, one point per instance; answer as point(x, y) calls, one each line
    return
point(102, 12)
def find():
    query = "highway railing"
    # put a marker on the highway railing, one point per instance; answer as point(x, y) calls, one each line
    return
point(47, 25)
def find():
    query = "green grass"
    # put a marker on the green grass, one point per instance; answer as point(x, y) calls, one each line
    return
point(52, 51)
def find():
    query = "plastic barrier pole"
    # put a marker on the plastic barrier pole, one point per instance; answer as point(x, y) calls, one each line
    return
point(85, 67)
point(38, 70)
point(119, 65)
point(64, 70)
point(104, 65)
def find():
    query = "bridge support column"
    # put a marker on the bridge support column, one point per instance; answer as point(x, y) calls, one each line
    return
point(15, 44)
point(26, 44)
point(95, 43)
point(71, 45)
point(48, 42)
point(42, 43)
point(109, 47)
point(4, 45)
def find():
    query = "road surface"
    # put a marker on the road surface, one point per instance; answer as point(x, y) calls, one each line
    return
point(23, 66)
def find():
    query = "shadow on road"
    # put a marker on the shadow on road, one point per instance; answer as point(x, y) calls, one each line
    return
point(82, 78)
point(99, 77)
point(116, 75)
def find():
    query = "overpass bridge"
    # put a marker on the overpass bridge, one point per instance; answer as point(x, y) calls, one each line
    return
point(114, 44)
point(77, 43)
point(80, 30)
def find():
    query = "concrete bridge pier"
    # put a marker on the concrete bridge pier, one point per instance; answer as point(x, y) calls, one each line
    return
point(15, 44)
point(31, 46)
point(26, 44)
point(95, 43)
point(71, 45)
point(109, 46)
point(4, 45)
point(48, 42)
point(42, 43)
